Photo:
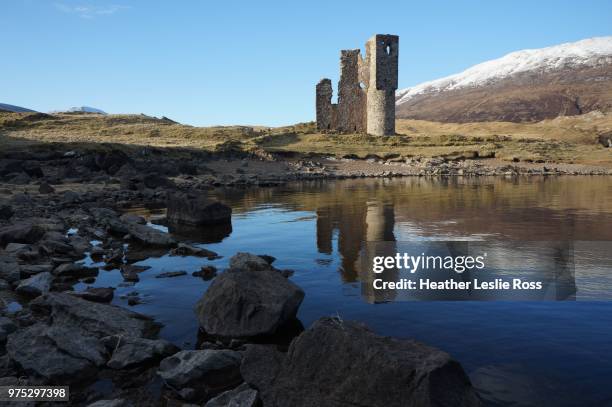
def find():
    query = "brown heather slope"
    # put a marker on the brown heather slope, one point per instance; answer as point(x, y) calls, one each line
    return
point(572, 139)
point(528, 97)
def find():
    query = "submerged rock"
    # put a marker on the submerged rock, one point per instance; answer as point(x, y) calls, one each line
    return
point(196, 209)
point(248, 303)
point(206, 272)
point(187, 250)
point(336, 363)
point(97, 294)
point(170, 274)
point(196, 374)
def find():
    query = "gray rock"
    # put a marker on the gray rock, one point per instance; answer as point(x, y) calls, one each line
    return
point(248, 303)
point(260, 365)
point(129, 351)
point(7, 326)
point(131, 218)
point(150, 236)
point(196, 209)
point(71, 197)
point(248, 261)
point(169, 274)
point(58, 354)
point(96, 319)
point(76, 270)
point(97, 294)
point(35, 285)
point(45, 188)
point(187, 250)
point(32, 269)
point(20, 179)
point(111, 403)
point(9, 270)
point(241, 396)
point(6, 212)
point(201, 373)
point(20, 233)
point(336, 363)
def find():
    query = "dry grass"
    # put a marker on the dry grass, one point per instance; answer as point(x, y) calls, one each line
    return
point(565, 139)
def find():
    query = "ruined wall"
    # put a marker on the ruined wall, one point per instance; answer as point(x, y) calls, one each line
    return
point(383, 51)
point(324, 93)
point(351, 97)
point(366, 90)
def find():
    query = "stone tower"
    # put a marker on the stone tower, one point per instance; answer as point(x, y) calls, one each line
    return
point(366, 90)
point(382, 57)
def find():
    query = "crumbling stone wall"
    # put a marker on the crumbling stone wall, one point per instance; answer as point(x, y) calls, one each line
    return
point(325, 116)
point(351, 97)
point(366, 90)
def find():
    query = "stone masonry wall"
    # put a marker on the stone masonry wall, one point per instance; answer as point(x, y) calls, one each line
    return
point(351, 97)
point(366, 90)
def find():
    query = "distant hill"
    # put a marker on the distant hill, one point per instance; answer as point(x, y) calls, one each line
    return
point(529, 85)
point(82, 109)
point(15, 109)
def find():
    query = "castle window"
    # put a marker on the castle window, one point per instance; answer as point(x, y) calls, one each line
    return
point(388, 49)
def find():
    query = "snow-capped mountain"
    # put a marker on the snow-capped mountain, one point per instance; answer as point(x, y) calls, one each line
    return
point(15, 109)
point(85, 109)
point(533, 84)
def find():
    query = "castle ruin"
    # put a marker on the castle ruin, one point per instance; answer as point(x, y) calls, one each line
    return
point(366, 90)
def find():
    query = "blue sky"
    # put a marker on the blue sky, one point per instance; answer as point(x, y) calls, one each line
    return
point(252, 62)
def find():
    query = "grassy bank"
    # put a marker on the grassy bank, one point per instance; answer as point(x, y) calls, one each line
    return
point(564, 140)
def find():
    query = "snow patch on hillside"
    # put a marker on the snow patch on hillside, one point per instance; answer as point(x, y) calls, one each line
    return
point(589, 52)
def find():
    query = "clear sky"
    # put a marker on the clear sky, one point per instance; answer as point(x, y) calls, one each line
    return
point(252, 62)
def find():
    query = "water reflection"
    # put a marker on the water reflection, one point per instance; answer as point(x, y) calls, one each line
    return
point(323, 230)
point(353, 213)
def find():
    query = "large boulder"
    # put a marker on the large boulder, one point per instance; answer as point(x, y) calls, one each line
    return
point(55, 353)
point(96, 319)
point(339, 364)
point(196, 209)
point(197, 374)
point(243, 303)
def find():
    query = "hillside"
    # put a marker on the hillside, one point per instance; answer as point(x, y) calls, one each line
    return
point(564, 139)
point(523, 86)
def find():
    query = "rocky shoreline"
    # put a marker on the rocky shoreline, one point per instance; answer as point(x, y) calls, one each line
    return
point(57, 207)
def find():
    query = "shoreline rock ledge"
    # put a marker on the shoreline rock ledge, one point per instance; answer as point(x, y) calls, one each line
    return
point(248, 302)
point(337, 364)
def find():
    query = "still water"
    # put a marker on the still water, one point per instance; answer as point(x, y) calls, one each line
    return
point(536, 353)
